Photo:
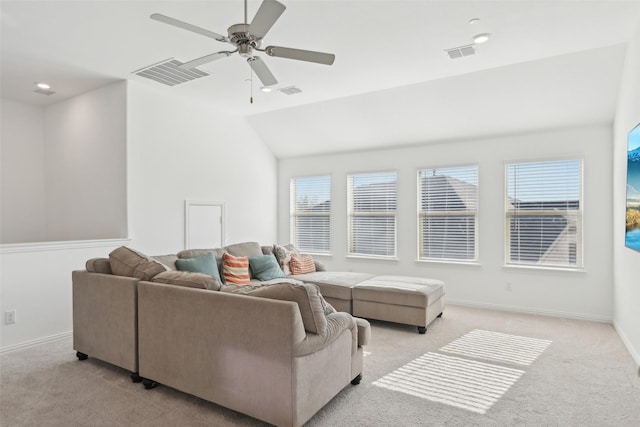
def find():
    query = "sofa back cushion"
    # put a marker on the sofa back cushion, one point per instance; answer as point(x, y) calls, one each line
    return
point(305, 295)
point(188, 279)
point(245, 249)
point(203, 264)
point(128, 262)
point(168, 260)
point(236, 270)
point(265, 267)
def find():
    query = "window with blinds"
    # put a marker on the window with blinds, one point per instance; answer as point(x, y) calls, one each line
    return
point(448, 213)
point(372, 204)
point(544, 214)
point(310, 208)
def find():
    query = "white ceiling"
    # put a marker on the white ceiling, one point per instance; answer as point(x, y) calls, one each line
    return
point(548, 64)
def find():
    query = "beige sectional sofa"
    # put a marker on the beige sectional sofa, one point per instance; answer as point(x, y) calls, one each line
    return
point(275, 351)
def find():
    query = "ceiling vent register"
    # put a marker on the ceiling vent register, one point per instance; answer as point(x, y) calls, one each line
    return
point(459, 52)
point(44, 91)
point(290, 90)
point(168, 73)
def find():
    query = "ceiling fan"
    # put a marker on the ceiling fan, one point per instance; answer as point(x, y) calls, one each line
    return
point(247, 38)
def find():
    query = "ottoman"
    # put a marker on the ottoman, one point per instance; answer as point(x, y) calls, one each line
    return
point(401, 299)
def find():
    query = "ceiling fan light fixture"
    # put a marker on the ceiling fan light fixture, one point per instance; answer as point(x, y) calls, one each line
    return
point(481, 38)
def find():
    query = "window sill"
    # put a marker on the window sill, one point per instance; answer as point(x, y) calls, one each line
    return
point(554, 269)
point(372, 257)
point(448, 261)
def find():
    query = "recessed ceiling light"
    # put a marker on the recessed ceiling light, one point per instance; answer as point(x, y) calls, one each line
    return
point(474, 21)
point(43, 86)
point(266, 89)
point(481, 38)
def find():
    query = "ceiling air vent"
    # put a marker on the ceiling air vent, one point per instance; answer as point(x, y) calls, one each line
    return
point(290, 90)
point(168, 73)
point(459, 52)
point(44, 91)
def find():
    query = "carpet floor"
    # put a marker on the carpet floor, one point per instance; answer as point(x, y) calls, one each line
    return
point(474, 367)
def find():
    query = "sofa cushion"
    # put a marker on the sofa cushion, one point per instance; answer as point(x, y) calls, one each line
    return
point(245, 249)
point(265, 267)
point(203, 264)
point(98, 265)
point(284, 254)
point(302, 265)
point(188, 279)
point(235, 270)
point(128, 262)
point(305, 295)
point(168, 260)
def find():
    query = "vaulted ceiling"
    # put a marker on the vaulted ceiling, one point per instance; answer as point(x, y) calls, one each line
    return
point(547, 64)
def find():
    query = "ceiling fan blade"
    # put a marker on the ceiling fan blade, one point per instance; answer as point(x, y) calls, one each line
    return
point(301, 55)
point(262, 71)
point(266, 16)
point(204, 59)
point(188, 27)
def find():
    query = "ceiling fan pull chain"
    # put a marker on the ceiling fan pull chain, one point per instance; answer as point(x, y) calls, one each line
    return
point(251, 83)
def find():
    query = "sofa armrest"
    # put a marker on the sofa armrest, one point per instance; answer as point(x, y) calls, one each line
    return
point(364, 331)
point(105, 316)
point(337, 323)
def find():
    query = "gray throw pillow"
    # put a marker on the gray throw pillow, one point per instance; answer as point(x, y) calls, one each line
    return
point(203, 264)
point(265, 267)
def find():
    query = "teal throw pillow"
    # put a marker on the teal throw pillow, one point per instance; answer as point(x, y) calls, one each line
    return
point(265, 267)
point(203, 264)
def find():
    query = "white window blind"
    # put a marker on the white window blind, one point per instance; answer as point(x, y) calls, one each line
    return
point(372, 214)
point(544, 214)
point(448, 213)
point(310, 208)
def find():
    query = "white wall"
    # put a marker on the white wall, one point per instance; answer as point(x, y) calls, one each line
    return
point(586, 294)
point(626, 265)
point(22, 180)
point(181, 149)
point(36, 283)
point(85, 167)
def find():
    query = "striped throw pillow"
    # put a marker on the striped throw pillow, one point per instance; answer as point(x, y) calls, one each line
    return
point(235, 270)
point(302, 265)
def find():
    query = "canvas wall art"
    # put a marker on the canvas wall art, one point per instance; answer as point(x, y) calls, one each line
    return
point(632, 232)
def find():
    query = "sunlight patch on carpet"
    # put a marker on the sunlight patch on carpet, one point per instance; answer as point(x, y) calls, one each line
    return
point(499, 347)
point(466, 384)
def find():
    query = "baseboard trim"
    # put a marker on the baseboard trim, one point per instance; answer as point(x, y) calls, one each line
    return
point(634, 354)
point(36, 342)
point(569, 315)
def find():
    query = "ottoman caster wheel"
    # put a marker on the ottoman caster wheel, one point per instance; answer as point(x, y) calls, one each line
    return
point(422, 330)
point(439, 315)
point(149, 384)
point(135, 377)
point(81, 356)
point(357, 380)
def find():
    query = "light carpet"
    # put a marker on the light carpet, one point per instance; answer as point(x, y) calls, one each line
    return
point(492, 368)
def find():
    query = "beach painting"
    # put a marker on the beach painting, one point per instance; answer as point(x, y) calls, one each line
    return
point(632, 232)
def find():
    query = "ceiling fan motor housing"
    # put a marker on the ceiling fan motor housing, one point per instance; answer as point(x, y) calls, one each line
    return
point(240, 37)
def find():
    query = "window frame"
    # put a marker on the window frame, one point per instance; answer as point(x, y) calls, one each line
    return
point(352, 214)
point(421, 214)
point(576, 214)
point(294, 214)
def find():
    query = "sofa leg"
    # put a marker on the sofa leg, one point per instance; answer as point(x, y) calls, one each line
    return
point(81, 356)
point(357, 380)
point(135, 377)
point(422, 330)
point(439, 315)
point(149, 384)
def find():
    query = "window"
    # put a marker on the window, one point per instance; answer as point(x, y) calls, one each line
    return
point(448, 213)
point(310, 207)
point(544, 214)
point(372, 214)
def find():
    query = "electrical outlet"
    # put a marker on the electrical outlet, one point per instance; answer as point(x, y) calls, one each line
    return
point(9, 317)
